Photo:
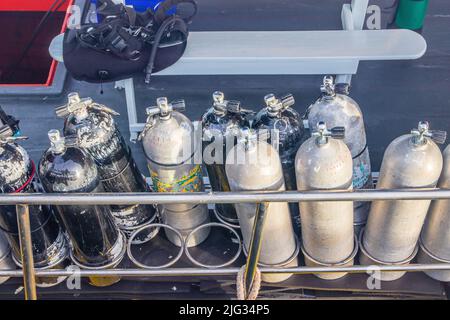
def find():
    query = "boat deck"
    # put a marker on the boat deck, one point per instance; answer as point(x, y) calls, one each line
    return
point(393, 96)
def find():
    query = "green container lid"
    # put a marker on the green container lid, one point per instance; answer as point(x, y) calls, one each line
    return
point(411, 14)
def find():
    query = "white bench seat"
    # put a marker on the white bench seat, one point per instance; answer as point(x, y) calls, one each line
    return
point(293, 52)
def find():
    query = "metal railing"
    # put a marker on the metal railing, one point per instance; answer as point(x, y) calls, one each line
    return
point(22, 201)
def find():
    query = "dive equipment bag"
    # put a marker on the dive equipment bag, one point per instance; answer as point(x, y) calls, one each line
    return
point(126, 42)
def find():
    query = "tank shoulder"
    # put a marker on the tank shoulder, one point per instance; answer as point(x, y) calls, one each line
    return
point(339, 102)
point(72, 170)
point(15, 164)
point(97, 126)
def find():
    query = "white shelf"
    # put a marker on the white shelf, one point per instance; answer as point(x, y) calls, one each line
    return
point(293, 52)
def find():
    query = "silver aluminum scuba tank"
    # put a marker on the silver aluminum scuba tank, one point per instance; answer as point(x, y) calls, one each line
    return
point(393, 228)
point(169, 143)
point(336, 108)
point(287, 133)
point(435, 237)
point(97, 242)
point(325, 163)
point(220, 126)
point(254, 165)
point(49, 245)
point(6, 261)
point(97, 133)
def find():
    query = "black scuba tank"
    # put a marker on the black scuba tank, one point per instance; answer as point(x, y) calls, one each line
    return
point(283, 121)
point(17, 175)
point(222, 121)
point(96, 240)
point(287, 133)
point(97, 133)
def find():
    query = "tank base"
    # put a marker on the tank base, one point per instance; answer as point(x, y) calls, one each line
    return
point(6, 263)
point(368, 260)
point(358, 227)
point(279, 277)
point(233, 223)
point(311, 262)
point(57, 259)
point(426, 257)
point(128, 219)
point(115, 261)
point(128, 228)
point(360, 215)
point(103, 281)
point(47, 282)
point(195, 240)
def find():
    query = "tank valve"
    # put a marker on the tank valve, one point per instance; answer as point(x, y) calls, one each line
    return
point(58, 143)
point(249, 137)
point(222, 106)
point(322, 133)
point(6, 132)
point(80, 107)
point(275, 105)
point(7, 135)
point(423, 131)
point(328, 87)
point(164, 109)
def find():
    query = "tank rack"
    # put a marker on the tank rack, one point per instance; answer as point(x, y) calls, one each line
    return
point(29, 274)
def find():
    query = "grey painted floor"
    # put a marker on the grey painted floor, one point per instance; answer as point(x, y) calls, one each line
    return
point(394, 96)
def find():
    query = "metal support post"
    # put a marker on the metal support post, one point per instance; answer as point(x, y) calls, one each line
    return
point(26, 251)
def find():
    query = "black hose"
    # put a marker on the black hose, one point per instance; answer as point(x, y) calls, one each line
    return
point(164, 25)
point(158, 36)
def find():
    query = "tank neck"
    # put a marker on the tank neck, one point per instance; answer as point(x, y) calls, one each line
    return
point(328, 87)
point(248, 138)
point(219, 105)
point(81, 108)
point(222, 107)
point(421, 135)
point(57, 143)
point(164, 110)
point(275, 106)
point(322, 134)
point(7, 137)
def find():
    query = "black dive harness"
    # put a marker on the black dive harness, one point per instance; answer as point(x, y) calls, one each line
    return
point(125, 42)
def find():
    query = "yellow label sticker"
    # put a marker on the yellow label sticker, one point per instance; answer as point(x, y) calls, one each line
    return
point(187, 183)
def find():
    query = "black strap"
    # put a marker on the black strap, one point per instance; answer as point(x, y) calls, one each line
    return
point(131, 15)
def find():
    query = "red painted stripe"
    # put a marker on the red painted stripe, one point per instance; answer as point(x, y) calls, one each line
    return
point(33, 171)
point(29, 5)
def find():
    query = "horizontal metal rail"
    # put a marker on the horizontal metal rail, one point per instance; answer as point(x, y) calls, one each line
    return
point(221, 197)
point(189, 272)
point(29, 272)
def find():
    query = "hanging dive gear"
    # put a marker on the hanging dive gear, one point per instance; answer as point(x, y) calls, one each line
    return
point(126, 42)
point(10, 121)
